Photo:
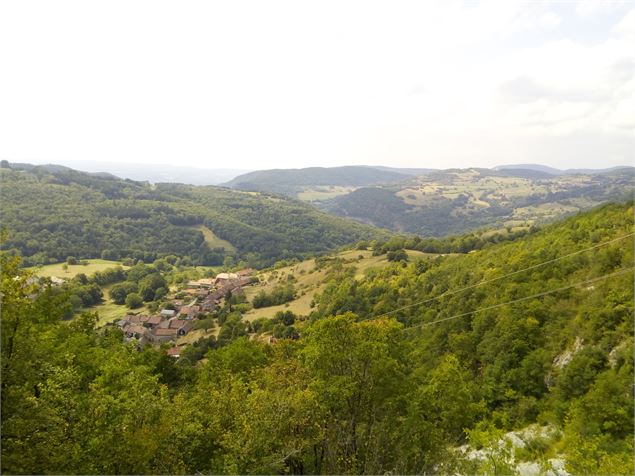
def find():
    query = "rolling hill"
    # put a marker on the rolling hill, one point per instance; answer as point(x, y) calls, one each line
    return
point(154, 173)
point(459, 200)
point(553, 171)
point(294, 181)
point(51, 213)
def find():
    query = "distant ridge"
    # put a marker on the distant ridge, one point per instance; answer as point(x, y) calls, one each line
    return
point(554, 172)
point(153, 173)
point(407, 171)
point(290, 181)
point(55, 168)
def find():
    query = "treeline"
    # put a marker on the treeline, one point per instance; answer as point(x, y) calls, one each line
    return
point(52, 214)
point(278, 295)
point(347, 391)
point(451, 244)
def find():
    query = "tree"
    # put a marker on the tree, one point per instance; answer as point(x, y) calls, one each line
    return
point(356, 370)
point(397, 255)
point(228, 262)
point(286, 317)
point(160, 293)
point(118, 292)
point(149, 285)
point(110, 255)
point(134, 301)
point(454, 414)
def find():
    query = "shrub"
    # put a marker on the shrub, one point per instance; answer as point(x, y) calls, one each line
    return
point(134, 301)
point(397, 255)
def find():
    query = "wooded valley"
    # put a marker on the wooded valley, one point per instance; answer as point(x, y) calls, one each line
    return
point(408, 368)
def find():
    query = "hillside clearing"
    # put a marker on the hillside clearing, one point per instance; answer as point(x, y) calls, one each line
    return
point(308, 280)
point(109, 312)
point(310, 194)
point(73, 270)
point(214, 241)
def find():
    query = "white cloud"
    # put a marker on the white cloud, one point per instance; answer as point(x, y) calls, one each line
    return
point(626, 26)
point(263, 84)
point(590, 8)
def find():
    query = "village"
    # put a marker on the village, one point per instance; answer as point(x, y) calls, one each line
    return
point(178, 316)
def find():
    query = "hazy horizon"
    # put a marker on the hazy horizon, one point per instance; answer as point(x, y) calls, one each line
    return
point(252, 85)
point(93, 166)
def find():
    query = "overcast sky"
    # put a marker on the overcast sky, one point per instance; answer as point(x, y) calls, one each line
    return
point(264, 84)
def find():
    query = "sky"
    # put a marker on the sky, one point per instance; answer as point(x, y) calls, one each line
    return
point(280, 84)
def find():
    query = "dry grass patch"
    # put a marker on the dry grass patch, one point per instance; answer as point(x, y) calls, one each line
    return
point(214, 241)
point(73, 270)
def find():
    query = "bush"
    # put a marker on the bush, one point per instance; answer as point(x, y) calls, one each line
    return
point(362, 245)
point(134, 300)
point(279, 295)
point(285, 317)
point(160, 293)
point(206, 324)
point(244, 307)
point(397, 255)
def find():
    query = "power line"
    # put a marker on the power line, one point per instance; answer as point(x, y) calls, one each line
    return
point(487, 281)
point(533, 296)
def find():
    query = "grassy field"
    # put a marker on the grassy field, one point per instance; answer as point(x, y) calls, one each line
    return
point(425, 190)
point(74, 269)
point(471, 184)
point(197, 334)
point(108, 311)
point(214, 241)
point(309, 281)
point(311, 194)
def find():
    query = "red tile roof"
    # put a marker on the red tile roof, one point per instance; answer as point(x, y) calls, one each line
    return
point(177, 323)
point(135, 330)
point(154, 320)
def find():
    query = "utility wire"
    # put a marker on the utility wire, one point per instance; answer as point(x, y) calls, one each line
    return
point(533, 296)
point(487, 281)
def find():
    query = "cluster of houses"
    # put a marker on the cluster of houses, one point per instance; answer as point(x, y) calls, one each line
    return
point(177, 319)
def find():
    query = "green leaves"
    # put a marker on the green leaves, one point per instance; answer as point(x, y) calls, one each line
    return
point(54, 215)
point(353, 394)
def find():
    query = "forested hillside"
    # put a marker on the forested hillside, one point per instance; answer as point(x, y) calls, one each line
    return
point(458, 201)
point(394, 371)
point(291, 181)
point(54, 213)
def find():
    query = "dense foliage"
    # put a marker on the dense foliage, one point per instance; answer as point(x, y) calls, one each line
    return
point(357, 392)
point(54, 215)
